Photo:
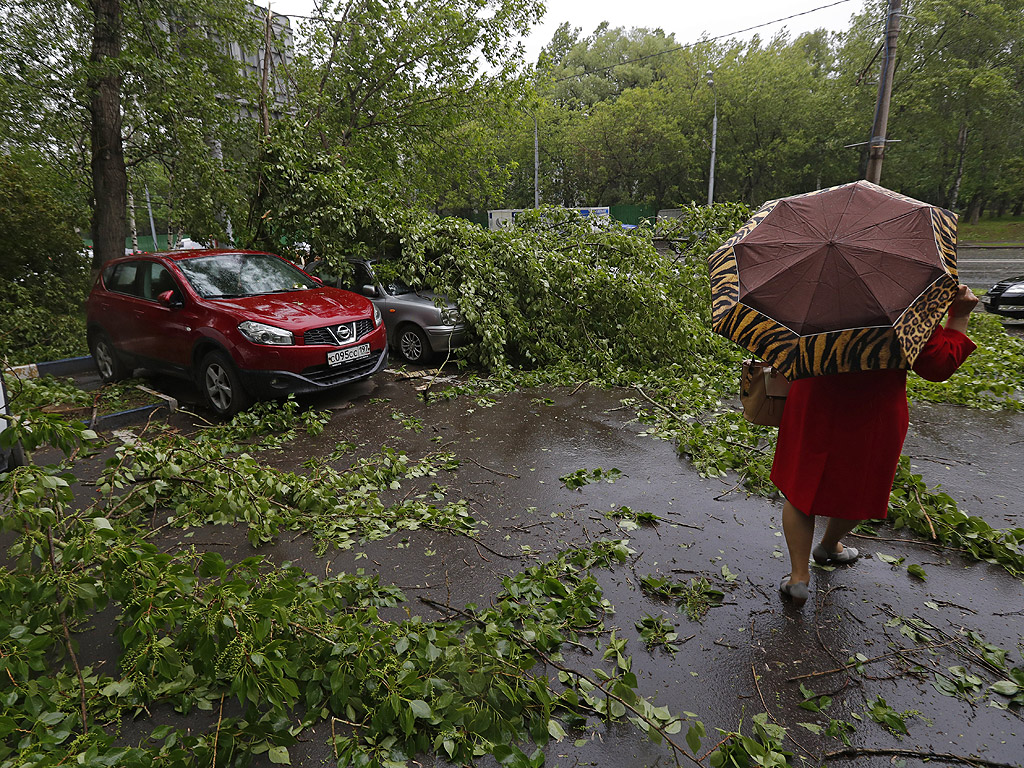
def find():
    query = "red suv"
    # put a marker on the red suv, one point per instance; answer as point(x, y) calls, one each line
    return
point(241, 324)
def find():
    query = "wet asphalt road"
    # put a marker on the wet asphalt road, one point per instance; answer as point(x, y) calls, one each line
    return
point(980, 267)
point(745, 655)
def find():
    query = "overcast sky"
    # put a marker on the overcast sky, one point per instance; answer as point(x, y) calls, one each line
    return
point(688, 20)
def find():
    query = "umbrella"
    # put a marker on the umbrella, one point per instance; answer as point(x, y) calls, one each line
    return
point(848, 278)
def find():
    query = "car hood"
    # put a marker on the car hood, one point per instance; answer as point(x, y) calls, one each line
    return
point(422, 298)
point(300, 310)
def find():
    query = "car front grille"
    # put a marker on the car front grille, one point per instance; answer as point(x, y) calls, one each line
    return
point(329, 375)
point(333, 334)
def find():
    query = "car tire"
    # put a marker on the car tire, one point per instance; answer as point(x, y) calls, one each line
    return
point(108, 361)
point(412, 345)
point(221, 385)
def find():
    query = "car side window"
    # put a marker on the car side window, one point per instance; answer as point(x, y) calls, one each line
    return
point(122, 278)
point(155, 280)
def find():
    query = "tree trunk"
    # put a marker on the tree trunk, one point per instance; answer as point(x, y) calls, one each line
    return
point(961, 146)
point(109, 179)
point(975, 207)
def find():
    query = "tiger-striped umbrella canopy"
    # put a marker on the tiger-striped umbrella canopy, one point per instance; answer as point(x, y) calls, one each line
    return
point(848, 278)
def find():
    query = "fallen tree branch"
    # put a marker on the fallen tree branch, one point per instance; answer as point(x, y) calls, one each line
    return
point(845, 667)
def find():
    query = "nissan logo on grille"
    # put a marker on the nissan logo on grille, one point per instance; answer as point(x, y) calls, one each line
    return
point(343, 332)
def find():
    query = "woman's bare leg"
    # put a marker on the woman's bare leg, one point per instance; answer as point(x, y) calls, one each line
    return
point(837, 528)
point(799, 530)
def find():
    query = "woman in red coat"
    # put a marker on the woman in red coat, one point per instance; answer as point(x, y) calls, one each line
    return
point(839, 443)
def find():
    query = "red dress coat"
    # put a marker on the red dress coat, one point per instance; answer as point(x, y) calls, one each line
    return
point(841, 436)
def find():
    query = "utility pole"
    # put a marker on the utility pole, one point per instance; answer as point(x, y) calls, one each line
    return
point(876, 146)
point(714, 139)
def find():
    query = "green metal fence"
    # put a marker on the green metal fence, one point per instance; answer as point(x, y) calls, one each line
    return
point(632, 214)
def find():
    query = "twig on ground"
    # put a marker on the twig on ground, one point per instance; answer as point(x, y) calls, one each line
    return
point(580, 386)
point(495, 471)
point(873, 659)
point(493, 551)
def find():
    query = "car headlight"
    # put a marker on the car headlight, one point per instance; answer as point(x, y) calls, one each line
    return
point(451, 316)
point(261, 333)
point(376, 316)
point(1017, 289)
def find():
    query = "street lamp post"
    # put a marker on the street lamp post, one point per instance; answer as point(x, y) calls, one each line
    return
point(714, 139)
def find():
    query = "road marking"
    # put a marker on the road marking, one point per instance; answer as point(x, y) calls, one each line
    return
point(991, 261)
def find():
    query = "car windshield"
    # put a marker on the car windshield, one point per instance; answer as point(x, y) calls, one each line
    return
point(233, 275)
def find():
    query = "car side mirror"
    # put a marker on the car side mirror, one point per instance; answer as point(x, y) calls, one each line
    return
point(170, 299)
point(369, 290)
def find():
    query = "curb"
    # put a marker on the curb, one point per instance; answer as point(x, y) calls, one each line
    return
point(53, 367)
point(72, 365)
point(988, 247)
point(134, 415)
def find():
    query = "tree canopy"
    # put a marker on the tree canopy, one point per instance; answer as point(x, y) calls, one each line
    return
point(429, 106)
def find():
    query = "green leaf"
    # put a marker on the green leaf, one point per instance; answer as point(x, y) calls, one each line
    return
point(916, 570)
point(1005, 688)
point(279, 756)
point(420, 708)
point(556, 730)
point(694, 735)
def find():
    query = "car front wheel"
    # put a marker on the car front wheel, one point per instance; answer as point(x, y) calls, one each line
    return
point(413, 344)
point(221, 386)
point(107, 360)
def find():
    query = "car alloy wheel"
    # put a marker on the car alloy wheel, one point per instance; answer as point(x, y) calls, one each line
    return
point(107, 361)
point(221, 385)
point(412, 345)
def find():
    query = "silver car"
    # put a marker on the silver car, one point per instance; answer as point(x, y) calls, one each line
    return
point(416, 326)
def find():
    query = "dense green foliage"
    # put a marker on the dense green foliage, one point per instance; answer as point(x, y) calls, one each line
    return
point(432, 101)
point(563, 291)
point(625, 115)
point(44, 268)
point(181, 93)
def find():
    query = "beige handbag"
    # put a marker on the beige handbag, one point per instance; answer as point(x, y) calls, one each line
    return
point(763, 393)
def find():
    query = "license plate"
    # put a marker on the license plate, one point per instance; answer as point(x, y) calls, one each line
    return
point(339, 356)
